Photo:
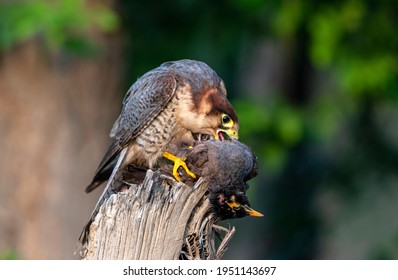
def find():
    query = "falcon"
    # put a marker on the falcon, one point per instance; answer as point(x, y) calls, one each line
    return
point(178, 101)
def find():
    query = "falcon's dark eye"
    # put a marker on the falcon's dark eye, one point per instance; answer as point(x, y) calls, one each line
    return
point(225, 119)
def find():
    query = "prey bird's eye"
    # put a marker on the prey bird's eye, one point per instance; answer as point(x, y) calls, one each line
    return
point(226, 120)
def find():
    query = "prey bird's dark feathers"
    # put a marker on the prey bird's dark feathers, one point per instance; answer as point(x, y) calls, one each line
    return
point(226, 166)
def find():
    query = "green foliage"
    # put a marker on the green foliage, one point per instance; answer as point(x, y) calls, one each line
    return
point(373, 75)
point(288, 19)
point(271, 127)
point(326, 31)
point(8, 254)
point(62, 24)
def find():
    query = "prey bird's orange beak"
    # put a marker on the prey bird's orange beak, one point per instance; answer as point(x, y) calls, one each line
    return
point(250, 211)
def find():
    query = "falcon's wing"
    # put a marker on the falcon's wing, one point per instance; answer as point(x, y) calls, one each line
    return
point(146, 98)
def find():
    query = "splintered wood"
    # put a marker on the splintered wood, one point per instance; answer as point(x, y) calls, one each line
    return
point(158, 219)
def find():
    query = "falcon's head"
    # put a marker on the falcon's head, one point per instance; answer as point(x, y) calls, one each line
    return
point(213, 114)
point(205, 109)
point(220, 118)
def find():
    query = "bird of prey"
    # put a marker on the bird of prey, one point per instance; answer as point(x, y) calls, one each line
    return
point(226, 166)
point(179, 100)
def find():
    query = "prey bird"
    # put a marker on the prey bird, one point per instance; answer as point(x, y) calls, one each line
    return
point(225, 166)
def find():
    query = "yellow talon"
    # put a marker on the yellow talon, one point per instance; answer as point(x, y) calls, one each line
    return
point(177, 163)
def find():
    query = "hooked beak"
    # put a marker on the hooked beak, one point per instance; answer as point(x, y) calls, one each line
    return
point(248, 210)
point(232, 133)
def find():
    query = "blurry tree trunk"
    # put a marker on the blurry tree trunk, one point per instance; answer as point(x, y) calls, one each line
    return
point(55, 115)
point(158, 219)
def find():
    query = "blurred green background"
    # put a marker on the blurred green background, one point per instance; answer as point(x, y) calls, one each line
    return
point(315, 87)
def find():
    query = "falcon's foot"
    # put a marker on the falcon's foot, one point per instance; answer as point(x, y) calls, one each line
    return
point(178, 162)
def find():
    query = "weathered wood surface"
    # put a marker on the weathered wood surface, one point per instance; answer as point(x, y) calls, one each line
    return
point(158, 219)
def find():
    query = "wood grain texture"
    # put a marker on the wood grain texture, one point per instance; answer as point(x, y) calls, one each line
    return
point(158, 219)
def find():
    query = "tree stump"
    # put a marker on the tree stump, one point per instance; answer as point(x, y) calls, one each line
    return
point(157, 219)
